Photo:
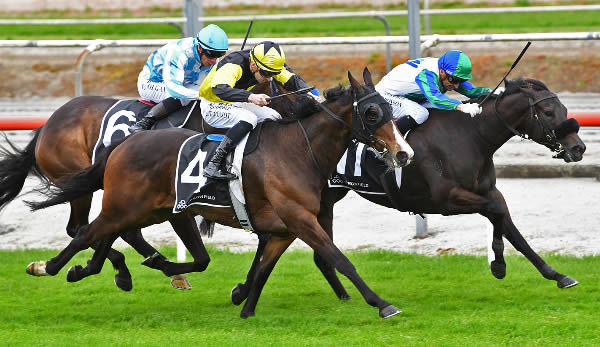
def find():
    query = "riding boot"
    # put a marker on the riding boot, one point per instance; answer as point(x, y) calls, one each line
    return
point(405, 124)
point(216, 165)
point(156, 113)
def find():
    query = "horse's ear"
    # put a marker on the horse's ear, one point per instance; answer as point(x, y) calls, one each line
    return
point(353, 82)
point(367, 77)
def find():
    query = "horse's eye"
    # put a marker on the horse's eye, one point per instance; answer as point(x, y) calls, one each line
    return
point(372, 114)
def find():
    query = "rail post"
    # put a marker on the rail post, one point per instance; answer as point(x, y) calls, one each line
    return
point(97, 45)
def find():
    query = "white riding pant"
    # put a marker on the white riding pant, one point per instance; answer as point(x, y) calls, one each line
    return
point(402, 106)
point(157, 91)
point(227, 114)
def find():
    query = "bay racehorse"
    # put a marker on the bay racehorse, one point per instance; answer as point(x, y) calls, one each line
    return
point(65, 145)
point(453, 172)
point(283, 179)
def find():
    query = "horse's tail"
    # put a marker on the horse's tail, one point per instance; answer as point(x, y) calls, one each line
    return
point(71, 187)
point(15, 166)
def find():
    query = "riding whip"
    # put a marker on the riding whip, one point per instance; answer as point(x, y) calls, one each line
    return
point(247, 33)
point(511, 68)
point(299, 91)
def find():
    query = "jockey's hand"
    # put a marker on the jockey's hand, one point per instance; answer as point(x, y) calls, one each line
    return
point(472, 109)
point(259, 99)
point(499, 90)
point(318, 98)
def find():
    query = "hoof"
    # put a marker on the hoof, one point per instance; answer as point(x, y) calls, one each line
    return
point(74, 273)
point(345, 297)
point(152, 261)
point(566, 282)
point(247, 314)
point(236, 295)
point(498, 269)
point(389, 311)
point(180, 282)
point(124, 284)
point(37, 268)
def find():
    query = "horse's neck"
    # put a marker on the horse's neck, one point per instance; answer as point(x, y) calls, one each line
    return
point(493, 131)
point(329, 138)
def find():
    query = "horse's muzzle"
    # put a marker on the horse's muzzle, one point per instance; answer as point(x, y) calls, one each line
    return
point(572, 154)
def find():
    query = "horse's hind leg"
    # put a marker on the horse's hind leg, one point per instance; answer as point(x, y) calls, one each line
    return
point(135, 239)
point(274, 248)
point(80, 211)
point(94, 266)
point(185, 227)
point(80, 242)
point(502, 222)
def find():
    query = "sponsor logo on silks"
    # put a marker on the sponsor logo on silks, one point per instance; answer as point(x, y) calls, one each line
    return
point(181, 205)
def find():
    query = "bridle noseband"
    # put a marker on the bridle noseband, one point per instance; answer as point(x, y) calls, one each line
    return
point(550, 140)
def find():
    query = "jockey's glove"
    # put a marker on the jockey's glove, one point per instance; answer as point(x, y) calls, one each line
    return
point(499, 90)
point(470, 108)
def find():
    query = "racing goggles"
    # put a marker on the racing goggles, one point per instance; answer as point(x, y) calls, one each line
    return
point(454, 79)
point(212, 54)
point(267, 74)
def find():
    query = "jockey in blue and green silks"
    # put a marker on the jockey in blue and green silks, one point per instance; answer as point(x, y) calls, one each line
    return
point(418, 84)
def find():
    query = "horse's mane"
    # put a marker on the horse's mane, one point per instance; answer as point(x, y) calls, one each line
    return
point(515, 85)
point(305, 106)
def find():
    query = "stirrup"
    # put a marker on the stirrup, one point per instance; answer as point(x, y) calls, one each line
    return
point(213, 171)
point(143, 124)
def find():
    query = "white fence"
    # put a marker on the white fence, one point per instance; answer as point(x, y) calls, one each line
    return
point(287, 16)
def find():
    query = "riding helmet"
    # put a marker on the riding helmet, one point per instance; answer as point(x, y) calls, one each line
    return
point(268, 56)
point(456, 63)
point(213, 38)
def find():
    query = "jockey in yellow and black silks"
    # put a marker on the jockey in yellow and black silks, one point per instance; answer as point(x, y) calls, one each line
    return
point(226, 102)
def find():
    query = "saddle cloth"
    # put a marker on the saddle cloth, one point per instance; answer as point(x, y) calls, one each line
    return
point(361, 171)
point(124, 113)
point(191, 188)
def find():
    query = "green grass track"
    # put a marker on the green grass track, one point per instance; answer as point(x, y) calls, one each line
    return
point(446, 300)
point(357, 26)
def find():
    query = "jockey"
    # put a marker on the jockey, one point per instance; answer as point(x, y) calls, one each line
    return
point(225, 100)
point(173, 73)
point(418, 84)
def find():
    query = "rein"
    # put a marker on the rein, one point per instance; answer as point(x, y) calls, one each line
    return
point(550, 136)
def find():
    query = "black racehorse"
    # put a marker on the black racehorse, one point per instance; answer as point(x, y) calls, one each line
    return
point(65, 145)
point(283, 179)
point(453, 171)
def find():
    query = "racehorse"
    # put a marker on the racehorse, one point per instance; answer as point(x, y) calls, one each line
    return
point(283, 179)
point(453, 172)
point(65, 145)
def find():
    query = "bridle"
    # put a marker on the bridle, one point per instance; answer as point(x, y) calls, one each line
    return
point(362, 129)
point(549, 138)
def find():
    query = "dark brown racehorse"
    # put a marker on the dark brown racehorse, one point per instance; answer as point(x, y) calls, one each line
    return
point(283, 179)
point(65, 144)
point(453, 172)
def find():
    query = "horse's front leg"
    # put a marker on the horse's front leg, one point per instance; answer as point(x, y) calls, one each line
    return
point(503, 225)
point(325, 217)
point(274, 248)
point(303, 224)
point(187, 230)
point(240, 292)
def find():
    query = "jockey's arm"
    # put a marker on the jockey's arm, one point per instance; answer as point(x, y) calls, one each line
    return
point(469, 90)
point(428, 84)
point(173, 72)
point(290, 80)
point(223, 83)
